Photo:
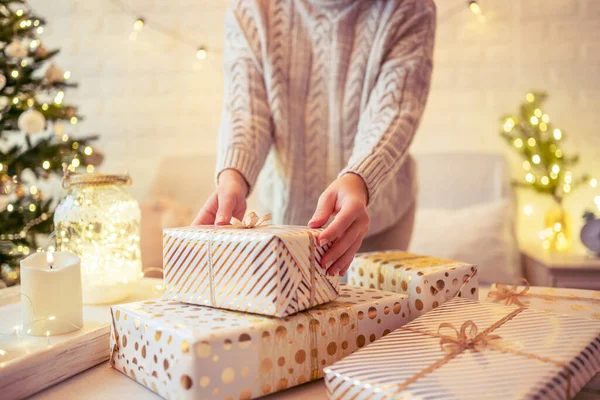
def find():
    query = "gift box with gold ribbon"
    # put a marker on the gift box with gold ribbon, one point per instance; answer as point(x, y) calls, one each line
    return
point(470, 350)
point(248, 266)
point(574, 302)
point(428, 281)
point(183, 351)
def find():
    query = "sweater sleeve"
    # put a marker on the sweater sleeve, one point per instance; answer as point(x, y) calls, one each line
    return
point(245, 134)
point(396, 102)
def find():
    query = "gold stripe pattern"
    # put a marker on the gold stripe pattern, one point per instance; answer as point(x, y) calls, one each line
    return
point(517, 363)
point(263, 269)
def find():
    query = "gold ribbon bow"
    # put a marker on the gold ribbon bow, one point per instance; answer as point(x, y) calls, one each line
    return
point(250, 221)
point(466, 338)
point(509, 294)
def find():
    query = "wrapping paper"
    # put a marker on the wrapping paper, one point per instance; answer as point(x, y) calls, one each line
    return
point(269, 270)
point(182, 351)
point(574, 302)
point(428, 281)
point(512, 353)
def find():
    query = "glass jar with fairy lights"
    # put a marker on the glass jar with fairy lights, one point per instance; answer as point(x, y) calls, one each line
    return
point(100, 221)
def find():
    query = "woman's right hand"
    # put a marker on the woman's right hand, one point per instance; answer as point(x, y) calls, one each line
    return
point(229, 200)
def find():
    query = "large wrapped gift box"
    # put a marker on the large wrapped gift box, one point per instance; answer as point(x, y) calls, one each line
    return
point(428, 281)
point(269, 270)
point(470, 350)
point(183, 351)
point(574, 302)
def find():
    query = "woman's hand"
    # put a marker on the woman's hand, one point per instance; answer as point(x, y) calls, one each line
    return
point(346, 198)
point(228, 200)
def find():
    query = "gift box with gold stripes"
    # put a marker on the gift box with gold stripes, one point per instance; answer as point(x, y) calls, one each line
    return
point(262, 269)
point(470, 350)
point(183, 351)
point(428, 281)
point(574, 302)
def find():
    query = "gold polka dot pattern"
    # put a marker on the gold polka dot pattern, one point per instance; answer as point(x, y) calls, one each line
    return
point(249, 355)
point(428, 281)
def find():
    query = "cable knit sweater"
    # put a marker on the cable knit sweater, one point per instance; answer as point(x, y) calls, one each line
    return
point(326, 87)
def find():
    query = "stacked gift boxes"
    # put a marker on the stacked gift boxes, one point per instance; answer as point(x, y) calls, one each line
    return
point(180, 349)
point(205, 339)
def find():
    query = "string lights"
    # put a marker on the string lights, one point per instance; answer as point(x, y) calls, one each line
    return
point(141, 24)
point(476, 9)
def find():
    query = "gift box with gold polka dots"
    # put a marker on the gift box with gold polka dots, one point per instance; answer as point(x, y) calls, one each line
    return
point(428, 281)
point(184, 351)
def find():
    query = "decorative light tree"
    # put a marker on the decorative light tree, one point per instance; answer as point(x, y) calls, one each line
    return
point(33, 142)
point(546, 166)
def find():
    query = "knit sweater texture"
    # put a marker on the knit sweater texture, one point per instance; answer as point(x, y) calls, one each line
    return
point(318, 88)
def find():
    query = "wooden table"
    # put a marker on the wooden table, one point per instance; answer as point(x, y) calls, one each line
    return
point(573, 270)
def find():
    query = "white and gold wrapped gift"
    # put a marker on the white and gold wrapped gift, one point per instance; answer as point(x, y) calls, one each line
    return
point(470, 350)
point(574, 302)
point(182, 351)
point(428, 281)
point(248, 266)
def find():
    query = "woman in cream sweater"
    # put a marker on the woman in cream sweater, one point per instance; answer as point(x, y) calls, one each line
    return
point(327, 95)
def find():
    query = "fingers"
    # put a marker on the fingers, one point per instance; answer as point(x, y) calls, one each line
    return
point(351, 211)
point(240, 211)
point(342, 245)
point(219, 208)
point(325, 207)
point(207, 214)
point(342, 263)
point(227, 205)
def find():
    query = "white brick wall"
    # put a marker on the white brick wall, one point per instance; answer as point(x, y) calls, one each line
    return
point(151, 98)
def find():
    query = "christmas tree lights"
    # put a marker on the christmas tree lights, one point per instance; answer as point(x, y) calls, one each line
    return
point(546, 166)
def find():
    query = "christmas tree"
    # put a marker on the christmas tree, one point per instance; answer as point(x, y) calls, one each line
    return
point(547, 167)
point(33, 142)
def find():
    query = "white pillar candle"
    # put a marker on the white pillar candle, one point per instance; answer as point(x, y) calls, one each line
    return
point(51, 286)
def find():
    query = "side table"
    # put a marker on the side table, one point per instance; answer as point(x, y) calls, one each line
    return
point(552, 269)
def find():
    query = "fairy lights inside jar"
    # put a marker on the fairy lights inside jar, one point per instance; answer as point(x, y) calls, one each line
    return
point(100, 221)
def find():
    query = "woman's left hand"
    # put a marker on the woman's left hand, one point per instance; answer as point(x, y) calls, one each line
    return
point(346, 199)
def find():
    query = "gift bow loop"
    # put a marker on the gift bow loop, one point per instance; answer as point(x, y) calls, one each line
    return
point(466, 338)
point(509, 294)
point(250, 221)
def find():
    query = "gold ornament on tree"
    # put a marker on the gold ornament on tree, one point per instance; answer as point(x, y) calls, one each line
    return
point(546, 166)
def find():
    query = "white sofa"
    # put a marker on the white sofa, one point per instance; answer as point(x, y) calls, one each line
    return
point(447, 181)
